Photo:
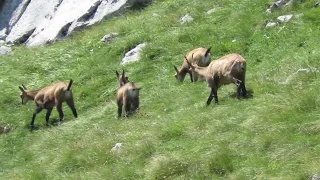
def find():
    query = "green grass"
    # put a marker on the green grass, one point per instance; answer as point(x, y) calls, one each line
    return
point(274, 135)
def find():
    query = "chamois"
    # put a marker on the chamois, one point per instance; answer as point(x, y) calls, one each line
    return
point(127, 96)
point(225, 70)
point(122, 79)
point(49, 97)
point(199, 56)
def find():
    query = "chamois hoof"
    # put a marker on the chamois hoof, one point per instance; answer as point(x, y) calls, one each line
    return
point(33, 127)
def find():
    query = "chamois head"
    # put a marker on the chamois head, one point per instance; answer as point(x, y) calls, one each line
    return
point(192, 66)
point(178, 75)
point(24, 95)
point(123, 79)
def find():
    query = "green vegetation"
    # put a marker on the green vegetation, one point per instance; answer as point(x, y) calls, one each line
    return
point(274, 135)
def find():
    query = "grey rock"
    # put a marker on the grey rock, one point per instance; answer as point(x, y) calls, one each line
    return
point(315, 177)
point(34, 15)
point(185, 19)
point(3, 34)
point(284, 18)
point(271, 24)
point(211, 11)
point(38, 22)
point(278, 5)
point(109, 37)
point(8, 8)
point(5, 50)
point(133, 55)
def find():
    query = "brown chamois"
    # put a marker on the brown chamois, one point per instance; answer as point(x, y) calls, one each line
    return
point(200, 56)
point(49, 97)
point(122, 78)
point(225, 70)
point(127, 96)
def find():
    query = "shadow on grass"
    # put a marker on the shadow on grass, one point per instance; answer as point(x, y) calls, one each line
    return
point(249, 95)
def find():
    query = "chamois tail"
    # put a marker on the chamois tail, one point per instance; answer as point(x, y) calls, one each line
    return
point(208, 51)
point(69, 86)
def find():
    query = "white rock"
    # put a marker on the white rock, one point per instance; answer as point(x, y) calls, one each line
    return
point(5, 50)
point(39, 22)
point(109, 37)
point(271, 24)
point(284, 18)
point(117, 147)
point(211, 11)
point(133, 54)
point(3, 34)
point(185, 19)
point(35, 14)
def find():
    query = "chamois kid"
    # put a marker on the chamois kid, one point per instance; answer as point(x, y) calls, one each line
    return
point(122, 78)
point(49, 97)
point(127, 96)
point(226, 70)
point(200, 56)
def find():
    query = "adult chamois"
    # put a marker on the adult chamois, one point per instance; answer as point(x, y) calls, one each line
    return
point(228, 69)
point(200, 56)
point(49, 97)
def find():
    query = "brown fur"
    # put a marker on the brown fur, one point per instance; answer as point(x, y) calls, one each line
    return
point(225, 70)
point(127, 96)
point(199, 56)
point(122, 78)
point(49, 97)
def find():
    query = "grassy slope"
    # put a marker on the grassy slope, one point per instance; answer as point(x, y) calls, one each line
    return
point(274, 135)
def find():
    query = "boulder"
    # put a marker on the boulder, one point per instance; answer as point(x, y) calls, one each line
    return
point(109, 37)
point(133, 55)
point(185, 19)
point(39, 22)
point(35, 14)
point(5, 50)
point(284, 18)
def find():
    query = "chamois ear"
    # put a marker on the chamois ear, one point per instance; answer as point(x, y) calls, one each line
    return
point(175, 68)
point(117, 74)
point(208, 51)
point(21, 89)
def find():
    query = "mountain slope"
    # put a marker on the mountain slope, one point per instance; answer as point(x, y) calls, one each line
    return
point(274, 135)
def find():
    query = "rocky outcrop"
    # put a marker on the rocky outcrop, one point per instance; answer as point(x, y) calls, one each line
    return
point(39, 22)
point(133, 55)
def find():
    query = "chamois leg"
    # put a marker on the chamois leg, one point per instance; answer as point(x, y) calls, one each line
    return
point(119, 109)
point(243, 90)
point(48, 116)
point(136, 105)
point(38, 110)
point(212, 95)
point(71, 105)
point(190, 73)
point(59, 108)
point(127, 109)
point(238, 83)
